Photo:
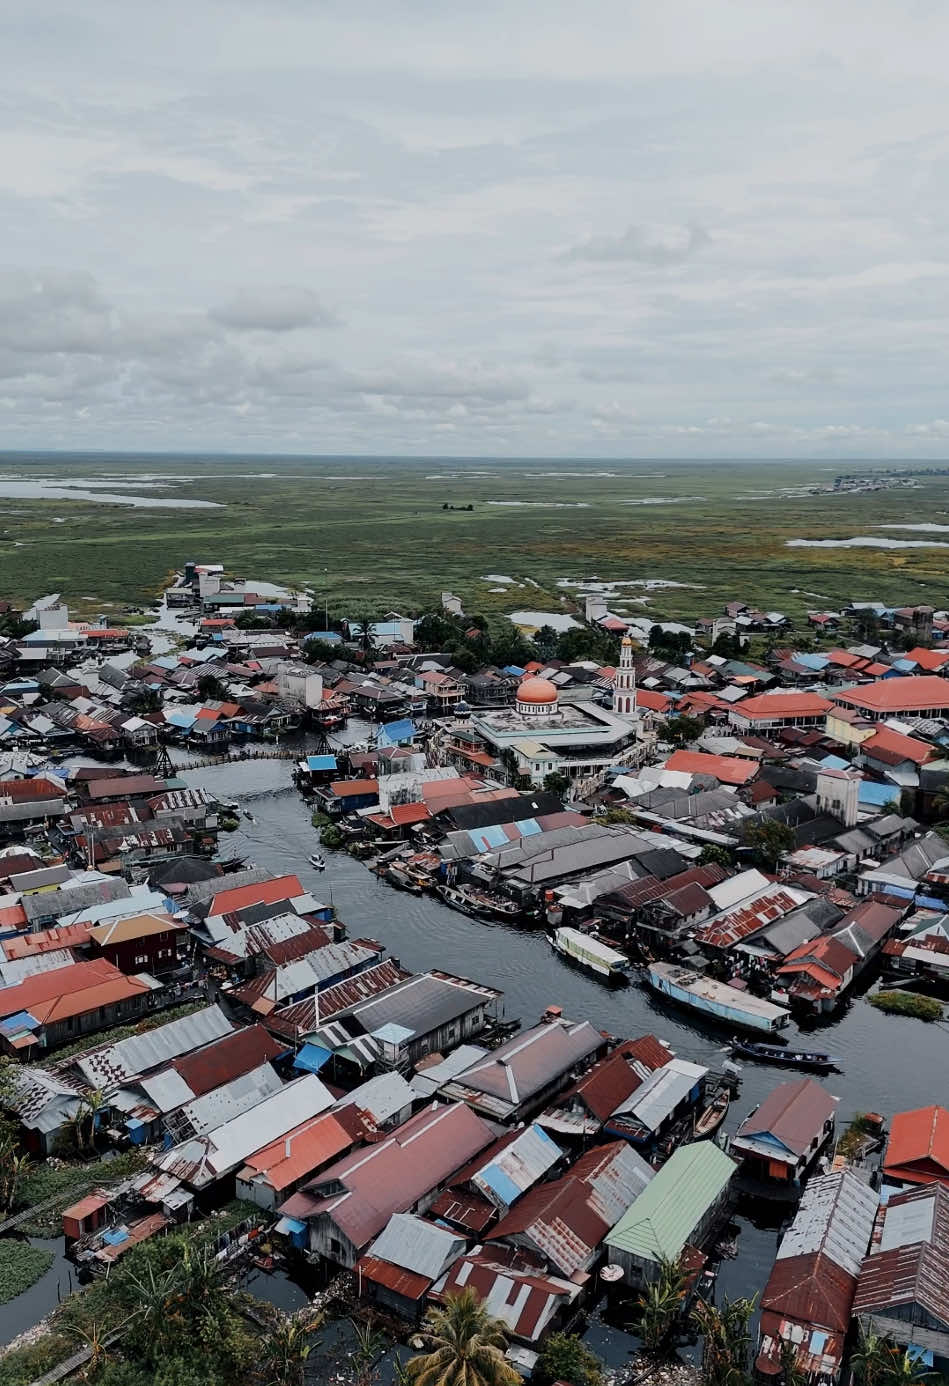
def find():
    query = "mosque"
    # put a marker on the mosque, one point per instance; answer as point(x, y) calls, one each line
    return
point(575, 739)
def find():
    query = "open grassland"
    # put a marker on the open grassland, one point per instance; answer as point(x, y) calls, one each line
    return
point(370, 535)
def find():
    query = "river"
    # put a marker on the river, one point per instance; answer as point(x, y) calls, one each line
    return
point(889, 1062)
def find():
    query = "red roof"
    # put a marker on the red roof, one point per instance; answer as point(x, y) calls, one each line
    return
point(68, 991)
point(928, 659)
point(728, 769)
point(911, 694)
point(617, 1077)
point(400, 815)
point(918, 1149)
point(301, 1151)
point(12, 917)
point(653, 702)
point(349, 789)
point(18, 791)
point(396, 1279)
point(261, 893)
point(905, 747)
point(228, 1058)
point(767, 706)
point(825, 959)
point(46, 941)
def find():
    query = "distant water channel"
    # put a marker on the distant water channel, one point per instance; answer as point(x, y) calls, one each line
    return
point(889, 1062)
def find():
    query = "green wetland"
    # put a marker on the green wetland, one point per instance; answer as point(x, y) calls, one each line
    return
point(372, 534)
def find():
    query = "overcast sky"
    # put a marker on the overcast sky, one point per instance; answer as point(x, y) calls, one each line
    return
point(613, 229)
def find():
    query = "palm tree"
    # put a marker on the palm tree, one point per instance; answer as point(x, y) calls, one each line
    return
point(660, 1305)
point(13, 1167)
point(726, 1340)
point(158, 1298)
point(286, 1349)
point(878, 1362)
point(93, 1339)
point(85, 1120)
point(467, 1347)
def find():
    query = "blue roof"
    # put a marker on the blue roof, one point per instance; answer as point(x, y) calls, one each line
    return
point(321, 763)
point(816, 662)
point(514, 669)
point(21, 1021)
point(179, 718)
point(877, 794)
point(527, 827)
point(835, 763)
point(395, 733)
point(312, 1057)
point(905, 666)
point(392, 1033)
point(332, 637)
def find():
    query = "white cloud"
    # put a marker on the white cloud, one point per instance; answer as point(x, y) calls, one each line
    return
point(532, 228)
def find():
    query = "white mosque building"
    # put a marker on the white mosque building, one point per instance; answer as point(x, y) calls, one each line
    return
point(576, 739)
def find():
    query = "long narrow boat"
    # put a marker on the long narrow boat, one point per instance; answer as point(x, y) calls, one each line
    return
point(815, 1060)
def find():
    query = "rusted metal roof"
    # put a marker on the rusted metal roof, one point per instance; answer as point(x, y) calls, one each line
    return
point(513, 1288)
point(908, 1263)
point(918, 1148)
point(227, 1058)
point(792, 1114)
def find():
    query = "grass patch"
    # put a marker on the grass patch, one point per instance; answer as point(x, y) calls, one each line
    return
point(23, 1365)
point(21, 1265)
point(69, 1182)
point(907, 1003)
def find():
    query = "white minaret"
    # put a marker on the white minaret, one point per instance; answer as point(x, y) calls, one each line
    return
point(624, 688)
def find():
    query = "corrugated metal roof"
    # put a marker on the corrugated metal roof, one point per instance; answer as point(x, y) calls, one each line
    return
point(127, 1059)
point(415, 1245)
point(834, 1220)
point(223, 1104)
point(523, 1296)
point(661, 1093)
point(524, 1065)
point(793, 1114)
point(517, 1167)
point(906, 1273)
point(664, 1216)
point(566, 1220)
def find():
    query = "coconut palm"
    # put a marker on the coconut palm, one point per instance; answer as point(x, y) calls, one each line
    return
point(13, 1168)
point(93, 1339)
point(660, 1305)
point(466, 1347)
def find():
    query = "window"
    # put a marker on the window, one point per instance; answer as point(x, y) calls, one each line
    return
point(141, 958)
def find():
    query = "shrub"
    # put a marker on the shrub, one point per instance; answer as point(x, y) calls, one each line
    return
point(21, 1265)
point(907, 1003)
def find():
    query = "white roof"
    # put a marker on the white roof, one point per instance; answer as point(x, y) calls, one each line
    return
point(228, 1101)
point(739, 887)
point(381, 1096)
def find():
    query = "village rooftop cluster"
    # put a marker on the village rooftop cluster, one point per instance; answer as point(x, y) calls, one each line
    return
point(744, 824)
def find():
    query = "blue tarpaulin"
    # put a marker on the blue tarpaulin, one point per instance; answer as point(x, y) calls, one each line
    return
point(312, 1057)
point(116, 1237)
point(21, 1021)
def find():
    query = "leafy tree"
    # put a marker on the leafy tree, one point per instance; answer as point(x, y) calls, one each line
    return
point(567, 1358)
point(876, 1361)
point(556, 783)
point(319, 651)
point(714, 855)
point(587, 642)
point(546, 642)
point(466, 1347)
point(210, 687)
point(681, 730)
point(769, 840)
point(724, 1329)
point(86, 1120)
point(465, 660)
point(660, 1306)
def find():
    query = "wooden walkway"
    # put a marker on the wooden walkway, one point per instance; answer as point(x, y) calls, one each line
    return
point(276, 754)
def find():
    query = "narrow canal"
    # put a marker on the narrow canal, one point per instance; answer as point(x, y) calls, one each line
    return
point(889, 1063)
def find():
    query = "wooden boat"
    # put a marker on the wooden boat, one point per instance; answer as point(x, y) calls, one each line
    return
point(710, 1119)
point(397, 875)
point(815, 1060)
point(458, 901)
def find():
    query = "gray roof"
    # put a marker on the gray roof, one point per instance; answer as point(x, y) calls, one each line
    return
point(42, 876)
point(835, 1219)
point(421, 1004)
point(525, 1065)
point(43, 1101)
point(382, 1097)
point(32, 808)
point(416, 1245)
point(201, 891)
point(222, 1104)
point(661, 1092)
point(50, 904)
point(127, 1059)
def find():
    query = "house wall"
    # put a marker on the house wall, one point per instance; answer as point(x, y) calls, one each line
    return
point(155, 953)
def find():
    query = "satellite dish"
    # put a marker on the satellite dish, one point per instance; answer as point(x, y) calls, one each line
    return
point(611, 1274)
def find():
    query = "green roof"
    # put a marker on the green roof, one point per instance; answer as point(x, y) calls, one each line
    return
point(672, 1204)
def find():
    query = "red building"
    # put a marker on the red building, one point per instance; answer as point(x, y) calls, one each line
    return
point(145, 943)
